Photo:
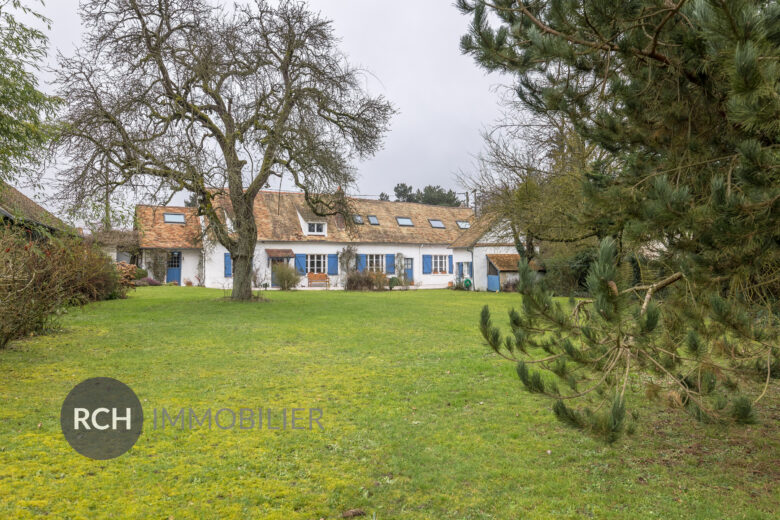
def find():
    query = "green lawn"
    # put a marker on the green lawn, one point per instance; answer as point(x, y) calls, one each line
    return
point(420, 420)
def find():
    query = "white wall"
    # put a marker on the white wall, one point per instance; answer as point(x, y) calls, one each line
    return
point(189, 264)
point(215, 269)
point(481, 263)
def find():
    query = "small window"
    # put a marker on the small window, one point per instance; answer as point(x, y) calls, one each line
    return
point(463, 224)
point(436, 223)
point(404, 221)
point(375, 263)
point(358, 219)
point(173, 218)
point(315, 263)
point(439, 264)
point(373, 220)
point(316, 228)
point(174, 259)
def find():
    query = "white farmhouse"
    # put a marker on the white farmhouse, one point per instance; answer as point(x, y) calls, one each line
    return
point(440, 245)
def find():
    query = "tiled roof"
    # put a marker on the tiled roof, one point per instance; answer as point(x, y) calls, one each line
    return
point(154, 232)
point(114, 237)
point(16, 206)
point(276, 214)
point(508, 263)
point(475, 235)
point(279, 253)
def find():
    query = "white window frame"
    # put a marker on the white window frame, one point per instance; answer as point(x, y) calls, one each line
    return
point(315, 232)
point(374, 222)
point(166, 215)
point(463, 224)
point(440, 223)
point(375, 263)
point(399, 219)
point(439, 264)
point(316, 263)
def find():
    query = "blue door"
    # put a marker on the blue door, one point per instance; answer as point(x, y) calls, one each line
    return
point(174, 267)
point(409, 269)
point(494, 283)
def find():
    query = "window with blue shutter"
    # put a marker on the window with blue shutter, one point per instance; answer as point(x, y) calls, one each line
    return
point(361, 263)
point(450, 265)
point(427, 264)
point(390, 264)
point(300, 264)
point(471, 269)
point(228, 266)
point(333, 264)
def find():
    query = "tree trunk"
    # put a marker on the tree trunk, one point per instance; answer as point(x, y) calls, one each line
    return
point(242, 277)
point(243, 252)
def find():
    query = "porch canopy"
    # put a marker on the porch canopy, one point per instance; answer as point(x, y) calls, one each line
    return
point(508, 263)
point(280, 253)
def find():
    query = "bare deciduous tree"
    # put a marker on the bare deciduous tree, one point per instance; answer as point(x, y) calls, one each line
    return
point(530, 177)
point(171, 95)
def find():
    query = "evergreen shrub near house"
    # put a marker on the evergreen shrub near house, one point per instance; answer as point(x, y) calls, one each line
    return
point(287, 278)
point(141, 273)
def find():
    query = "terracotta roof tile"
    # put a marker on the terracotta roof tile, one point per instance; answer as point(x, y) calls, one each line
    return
point(154, 232)
point(279, 253)
point(508, 262)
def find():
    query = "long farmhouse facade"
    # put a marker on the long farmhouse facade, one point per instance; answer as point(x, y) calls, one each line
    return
point(439, 245)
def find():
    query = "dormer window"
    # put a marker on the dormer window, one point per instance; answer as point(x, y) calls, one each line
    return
point(436, 223)
point(173, 218)
point(463, 224)
point(404, 221)
point(316, 228)
point(373, 220)
point(358, 219)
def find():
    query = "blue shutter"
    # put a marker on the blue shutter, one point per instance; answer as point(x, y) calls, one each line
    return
point(361, 263)
point(300, 264)
point(450, 266)
point(427, 264)
point(471, 269)
point(333, 264)
point(228, 265)
point(390, 264)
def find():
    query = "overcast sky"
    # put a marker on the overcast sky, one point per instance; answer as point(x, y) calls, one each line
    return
point(412, 49)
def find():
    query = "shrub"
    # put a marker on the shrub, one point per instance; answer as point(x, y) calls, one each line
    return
point(287, 277)
point(41, 274)
point(393, 282)
point(141, 273)
point(143, 282)
point(566, 274)
point(93, 275)
point(366, 281)
point(126, 275)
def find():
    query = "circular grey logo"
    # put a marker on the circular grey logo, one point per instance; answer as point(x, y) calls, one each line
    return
point(101, 418)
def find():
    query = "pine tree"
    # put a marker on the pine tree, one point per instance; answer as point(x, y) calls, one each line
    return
point(683, 97)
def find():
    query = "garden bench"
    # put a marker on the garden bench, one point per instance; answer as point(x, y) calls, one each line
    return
point(318, 278)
